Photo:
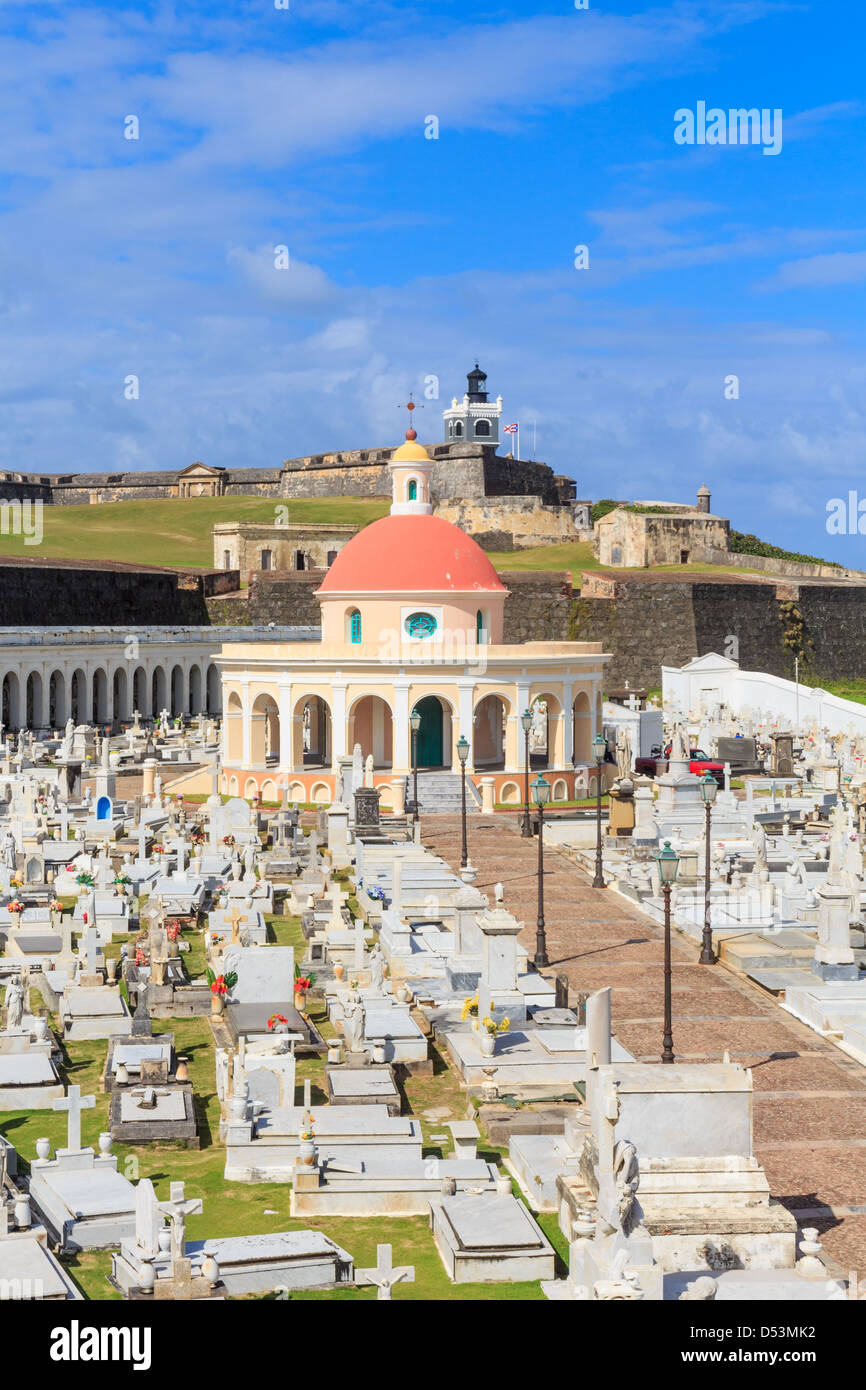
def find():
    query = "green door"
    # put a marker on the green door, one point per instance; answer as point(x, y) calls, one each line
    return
point(430, 732)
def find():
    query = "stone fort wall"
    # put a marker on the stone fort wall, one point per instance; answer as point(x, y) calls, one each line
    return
point(460, 470)
point(54, 593)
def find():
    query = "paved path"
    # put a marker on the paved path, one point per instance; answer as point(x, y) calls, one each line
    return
point(810, 1099)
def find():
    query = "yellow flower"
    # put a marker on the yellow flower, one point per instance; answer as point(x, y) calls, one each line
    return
point(503, 1027)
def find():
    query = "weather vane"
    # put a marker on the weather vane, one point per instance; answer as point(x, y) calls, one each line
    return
point(410, 405)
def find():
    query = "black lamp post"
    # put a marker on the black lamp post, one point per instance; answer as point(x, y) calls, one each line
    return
point(599, 748)
point(541, 795)
point(668, 863)
point(415, 725)
point(709, 792)
point(526, 725)
point(463, 754)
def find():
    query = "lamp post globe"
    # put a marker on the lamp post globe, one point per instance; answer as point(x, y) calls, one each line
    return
point(709, 792)
point(414, 725)
point(463, 754)
point(541, 796)
point(599, 748)
point(668, 864)
point(526, 725)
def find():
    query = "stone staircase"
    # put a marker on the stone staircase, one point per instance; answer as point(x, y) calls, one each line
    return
point(439, 793)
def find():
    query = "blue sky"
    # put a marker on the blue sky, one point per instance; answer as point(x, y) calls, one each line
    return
point(305, 127)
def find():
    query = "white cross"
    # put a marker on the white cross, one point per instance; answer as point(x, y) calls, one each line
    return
point(177, 1209)
point(91, 947)
point(74, 1102)
point(632, 702)
point(385, 1276)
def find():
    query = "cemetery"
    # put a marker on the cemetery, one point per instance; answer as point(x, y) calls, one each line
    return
point(321, 1032)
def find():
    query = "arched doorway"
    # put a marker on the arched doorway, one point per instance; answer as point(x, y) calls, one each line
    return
point(582, 729)
point(10, 700)
point(177, 690)
point(57, 699)
point(489, 730)
point(431, 732)
point(214, 696)
point(370, 725)
point(311, 733)
point(33, 700)
point(79, 690)
point(118, 695)
point(264, 731)
point(195, 706)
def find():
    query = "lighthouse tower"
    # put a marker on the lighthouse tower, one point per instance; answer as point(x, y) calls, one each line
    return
point(475, 418)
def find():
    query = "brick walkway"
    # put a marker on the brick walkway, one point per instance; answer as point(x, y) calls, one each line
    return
point(810, 1099)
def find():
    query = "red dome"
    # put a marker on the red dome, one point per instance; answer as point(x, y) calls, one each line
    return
point(411, 555)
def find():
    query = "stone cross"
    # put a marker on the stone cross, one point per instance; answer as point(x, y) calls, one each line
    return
point(632, 703)
point(177, 1209)
point(74, 1102)
point(385, 1276)
point(91, 946)
point(237, 918)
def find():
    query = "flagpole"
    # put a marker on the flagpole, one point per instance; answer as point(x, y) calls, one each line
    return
point(518, 439)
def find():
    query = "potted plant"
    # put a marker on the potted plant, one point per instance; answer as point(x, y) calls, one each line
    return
point(15, 906)
point(219, 988)
point(489, 1031)
point(470, 1010)
point(303, 983)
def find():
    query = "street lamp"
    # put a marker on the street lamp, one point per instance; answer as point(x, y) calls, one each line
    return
point(526, 725)
point(599, 748)
point(709, 792)
point(415, 725)
point(668, 864)
point(463, 754)
point(540, 795)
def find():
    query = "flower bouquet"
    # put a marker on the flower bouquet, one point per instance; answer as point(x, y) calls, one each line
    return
point(15, 906)
point(276, 1019)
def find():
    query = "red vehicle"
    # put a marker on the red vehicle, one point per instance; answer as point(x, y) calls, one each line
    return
point(698, 763)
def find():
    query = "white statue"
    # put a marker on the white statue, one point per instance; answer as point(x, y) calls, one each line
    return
point(680, 751)
point(14, 1003)
point(9, 852)
point(623, 752)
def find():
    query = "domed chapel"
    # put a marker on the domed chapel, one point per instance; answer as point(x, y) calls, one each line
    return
point(412, 620)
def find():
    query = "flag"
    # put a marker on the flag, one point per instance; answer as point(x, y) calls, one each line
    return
point(510, 429)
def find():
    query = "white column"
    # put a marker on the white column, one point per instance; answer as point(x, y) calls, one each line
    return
point(465, 708)
point(286, 730)
point(245, 716)
point(338, 721)
point(401, 753)
point(568, 730)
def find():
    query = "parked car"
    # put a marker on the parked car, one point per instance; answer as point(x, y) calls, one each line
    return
point(699, 763)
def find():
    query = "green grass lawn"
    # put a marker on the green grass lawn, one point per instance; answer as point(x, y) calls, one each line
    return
point(178, 532)
point(854, 689)
point(169, 531)
point(232, 1208)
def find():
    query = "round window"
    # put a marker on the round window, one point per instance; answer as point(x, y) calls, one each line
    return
point(420, 625)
